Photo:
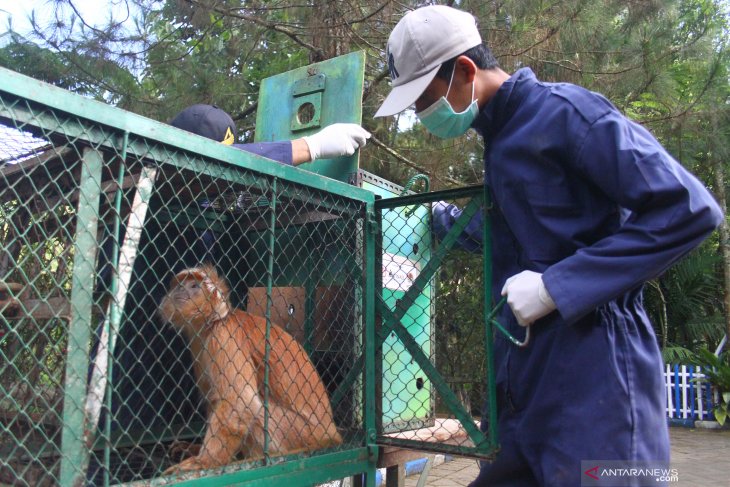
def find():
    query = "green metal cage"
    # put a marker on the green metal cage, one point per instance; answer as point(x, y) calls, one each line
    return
point(99, 208)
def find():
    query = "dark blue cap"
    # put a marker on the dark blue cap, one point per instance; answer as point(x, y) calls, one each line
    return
point(208, 121)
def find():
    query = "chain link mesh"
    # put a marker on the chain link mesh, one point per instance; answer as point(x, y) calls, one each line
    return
point(431, 321)
point(94, 225)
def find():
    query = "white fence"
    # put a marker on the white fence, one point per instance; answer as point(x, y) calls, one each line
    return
point(688, 399)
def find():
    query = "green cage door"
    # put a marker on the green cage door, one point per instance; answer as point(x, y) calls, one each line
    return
point(416, 378)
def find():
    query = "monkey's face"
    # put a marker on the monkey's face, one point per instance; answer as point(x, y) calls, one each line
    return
point(195, 299)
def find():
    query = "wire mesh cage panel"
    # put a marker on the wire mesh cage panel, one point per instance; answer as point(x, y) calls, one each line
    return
point(406, 397)
point(164, 311)
point(437, 391)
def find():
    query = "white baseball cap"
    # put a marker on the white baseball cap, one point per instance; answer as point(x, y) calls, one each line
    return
point(421, 41)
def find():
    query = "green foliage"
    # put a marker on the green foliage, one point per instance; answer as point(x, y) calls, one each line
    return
point(684, 304)
point(675, 354)
point(719, 368)
point(37, 62)
point(717, 371)
point(77, 71)
point(35, 350)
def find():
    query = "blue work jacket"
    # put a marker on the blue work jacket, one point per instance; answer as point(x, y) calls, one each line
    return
point(581, 194)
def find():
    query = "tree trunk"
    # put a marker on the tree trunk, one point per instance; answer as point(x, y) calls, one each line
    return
point(719, 171)
point(328, 30)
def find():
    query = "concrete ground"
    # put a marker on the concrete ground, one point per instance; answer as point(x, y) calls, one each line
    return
point(701, 457)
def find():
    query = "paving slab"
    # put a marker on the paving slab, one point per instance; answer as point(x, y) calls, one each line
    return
point(701, 457)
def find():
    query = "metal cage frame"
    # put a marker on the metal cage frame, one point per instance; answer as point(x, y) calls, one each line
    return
point(92, 129)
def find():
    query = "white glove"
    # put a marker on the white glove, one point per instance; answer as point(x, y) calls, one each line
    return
point(527, 296)
point(336, 140)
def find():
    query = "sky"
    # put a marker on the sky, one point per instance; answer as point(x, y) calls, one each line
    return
point(95, 12)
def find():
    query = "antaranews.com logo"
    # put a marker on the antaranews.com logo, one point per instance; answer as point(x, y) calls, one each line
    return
point(618, 473)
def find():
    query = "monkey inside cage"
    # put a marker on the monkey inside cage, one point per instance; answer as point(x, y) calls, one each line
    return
point(164, 311)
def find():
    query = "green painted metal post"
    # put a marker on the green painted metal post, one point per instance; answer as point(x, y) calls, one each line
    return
point(269, 303)
point(371, 230)
point(77, 434)
point(488, 328)
point(114, 307)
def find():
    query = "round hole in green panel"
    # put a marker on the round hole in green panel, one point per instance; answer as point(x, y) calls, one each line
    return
point(305, 114)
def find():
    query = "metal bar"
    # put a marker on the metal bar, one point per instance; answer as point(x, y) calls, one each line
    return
point(294, 472)
point(370, 344)
point(492, 434)
point(378, 371)
point(416, 288)
point(434, 447)
point(423, 478)
point(115, 284)
point(76, 436)
point(420, 198)
point(491, 321)
point(269, 304)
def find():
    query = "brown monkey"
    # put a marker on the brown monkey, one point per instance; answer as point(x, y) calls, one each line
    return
point(228, 347)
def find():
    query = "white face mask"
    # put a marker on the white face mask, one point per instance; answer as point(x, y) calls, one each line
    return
point(442, 121)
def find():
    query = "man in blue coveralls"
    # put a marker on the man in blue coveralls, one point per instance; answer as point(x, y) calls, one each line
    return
point(587, 206)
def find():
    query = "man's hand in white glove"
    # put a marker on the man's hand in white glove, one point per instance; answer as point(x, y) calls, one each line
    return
point(336, 140)
point(527, 296)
